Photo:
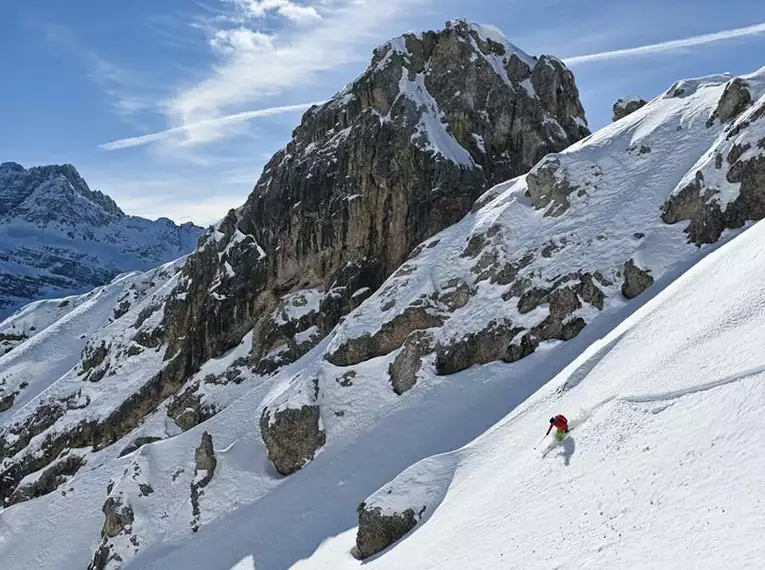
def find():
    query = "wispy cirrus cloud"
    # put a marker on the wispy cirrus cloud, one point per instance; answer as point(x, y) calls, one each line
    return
point(189, 129)
point(669, 45)
point(127, 91)
point(253, 62)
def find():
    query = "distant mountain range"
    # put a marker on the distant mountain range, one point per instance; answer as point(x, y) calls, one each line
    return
point(59, 237)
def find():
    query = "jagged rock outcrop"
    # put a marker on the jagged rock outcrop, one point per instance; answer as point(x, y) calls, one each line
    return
point(627, 106)
point(204, 470)
point(119, 519)
point(118, 516)
point(728, 189)
point(636, 280)
point(404, 368)
point(67, 237)
point(50, 479)
point(398, 155)
point(205, 460)
point(733, 102)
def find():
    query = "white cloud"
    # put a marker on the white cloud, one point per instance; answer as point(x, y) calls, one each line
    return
point(192, 129)
point(286, 8)
point(240, 40)
point(253, 65)
point(669, 45)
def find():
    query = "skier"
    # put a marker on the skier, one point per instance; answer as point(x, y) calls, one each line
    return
point(560, 423)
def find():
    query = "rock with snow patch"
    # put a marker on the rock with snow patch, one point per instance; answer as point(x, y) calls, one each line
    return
point(548, 187)
point(733, 102)
point(404, 368)
point(728, 190)
point(636, 280)
point(627, 106)
point(377, 531)
point(204, 457)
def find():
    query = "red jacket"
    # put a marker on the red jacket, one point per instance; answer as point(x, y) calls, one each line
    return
point(560, 423)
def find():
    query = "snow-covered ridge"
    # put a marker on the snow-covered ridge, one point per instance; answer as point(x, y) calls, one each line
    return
point(59, 237)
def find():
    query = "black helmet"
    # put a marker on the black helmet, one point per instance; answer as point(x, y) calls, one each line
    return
point(552, 420)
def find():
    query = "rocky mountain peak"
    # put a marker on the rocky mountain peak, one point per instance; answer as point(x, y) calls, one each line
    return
point(396, 156)
point(43, 194)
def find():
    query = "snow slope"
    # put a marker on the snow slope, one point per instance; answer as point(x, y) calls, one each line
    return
point(663, 467)
point(250, 517)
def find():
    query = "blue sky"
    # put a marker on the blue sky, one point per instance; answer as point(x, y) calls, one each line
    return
point(172, 107)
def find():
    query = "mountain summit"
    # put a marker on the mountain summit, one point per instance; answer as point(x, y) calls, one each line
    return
point(57, 236)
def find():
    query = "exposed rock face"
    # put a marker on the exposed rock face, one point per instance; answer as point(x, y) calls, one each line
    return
point(292, 437)
point(636, 280)
point(477, 348)
point(119, 517)
point(398, 155)
point(404, 368)
point(95, 433)
point(205, 457)
point(119, 521)
point(68, 237)
point(548, 187)
point(627, 106)
point(712, 203)
point(50, 479)
point(391, 336)
point(734, 100)
point(377, 531)
point(204, 471)
point(137, 443)
point(6, 401)
point(187, 410)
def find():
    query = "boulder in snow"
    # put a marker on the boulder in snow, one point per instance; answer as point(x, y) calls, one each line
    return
point(377, 531)
point(292, 436)
point(627, 106)
point(636, 280)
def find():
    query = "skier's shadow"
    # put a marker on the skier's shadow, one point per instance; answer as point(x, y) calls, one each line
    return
point(568, 446)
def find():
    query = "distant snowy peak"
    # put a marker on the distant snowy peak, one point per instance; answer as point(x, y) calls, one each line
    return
point(43, 193)
point(59, 237)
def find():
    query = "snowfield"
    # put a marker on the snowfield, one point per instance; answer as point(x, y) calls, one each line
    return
point(663, 467)
point(665, 393)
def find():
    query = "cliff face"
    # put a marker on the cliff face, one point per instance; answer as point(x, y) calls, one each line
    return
point(395, 157)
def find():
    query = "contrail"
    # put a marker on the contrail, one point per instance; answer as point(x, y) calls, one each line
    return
point(670, 45)
point(227, 120)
